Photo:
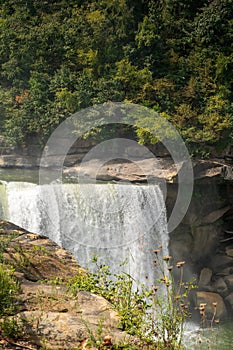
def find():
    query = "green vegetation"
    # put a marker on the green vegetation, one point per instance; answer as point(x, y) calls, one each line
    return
point(57, 57)
point(155, 316)
point(8, 290)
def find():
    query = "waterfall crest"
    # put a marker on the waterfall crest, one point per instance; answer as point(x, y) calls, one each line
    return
point(117, 222)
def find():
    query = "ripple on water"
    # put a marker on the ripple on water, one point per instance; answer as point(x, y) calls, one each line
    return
point(217, 338)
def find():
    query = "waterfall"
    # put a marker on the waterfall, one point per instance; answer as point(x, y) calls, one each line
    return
point(116, 222)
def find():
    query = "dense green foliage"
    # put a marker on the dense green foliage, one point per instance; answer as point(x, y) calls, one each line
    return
point(176, 57)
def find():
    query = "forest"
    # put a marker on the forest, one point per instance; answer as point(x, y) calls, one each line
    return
point(174, 56)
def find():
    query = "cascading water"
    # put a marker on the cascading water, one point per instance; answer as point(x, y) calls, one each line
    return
point(117, 222)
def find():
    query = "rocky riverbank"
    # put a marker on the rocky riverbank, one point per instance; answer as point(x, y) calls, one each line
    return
point(52, 316)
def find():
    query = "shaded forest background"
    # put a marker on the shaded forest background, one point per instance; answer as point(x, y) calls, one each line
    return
point(175, 56)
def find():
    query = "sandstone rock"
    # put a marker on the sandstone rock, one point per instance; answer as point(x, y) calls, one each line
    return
point(65, 321)
point(205, 168)
point(229, 282)
point(227, 173)
point(229, 251)
point(19, 161)
point(205, 278)
point(72, 159)
point(229, 301)
point(225, 272)
point(36, 257)
point(181, 243)
point(209, 298)
point(205, 241)
point(220, 262)
point(215, 215)
point(139, 170)
point(137, 152)
point(220, 287)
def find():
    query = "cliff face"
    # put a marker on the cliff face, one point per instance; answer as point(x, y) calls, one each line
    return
point(204, 239)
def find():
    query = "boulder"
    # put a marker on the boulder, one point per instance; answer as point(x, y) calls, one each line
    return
point(227, 173)
point(206, 169)
point(220, 287)
point(225, 272)
point(215, 215)
point(229, 251)
point(205, 279)
point(220, 262)
point(229, 302)
point(65, 321)
point(209, 298)
point(229, 282)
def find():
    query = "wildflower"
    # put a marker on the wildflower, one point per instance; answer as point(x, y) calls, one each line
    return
point(167, 258)
point(164, 279)
point(107, 340)
point(202, 309)
point(156, 251)
point(180, 264)
point(170, 268)
point(215, 304)
point(202, 305)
